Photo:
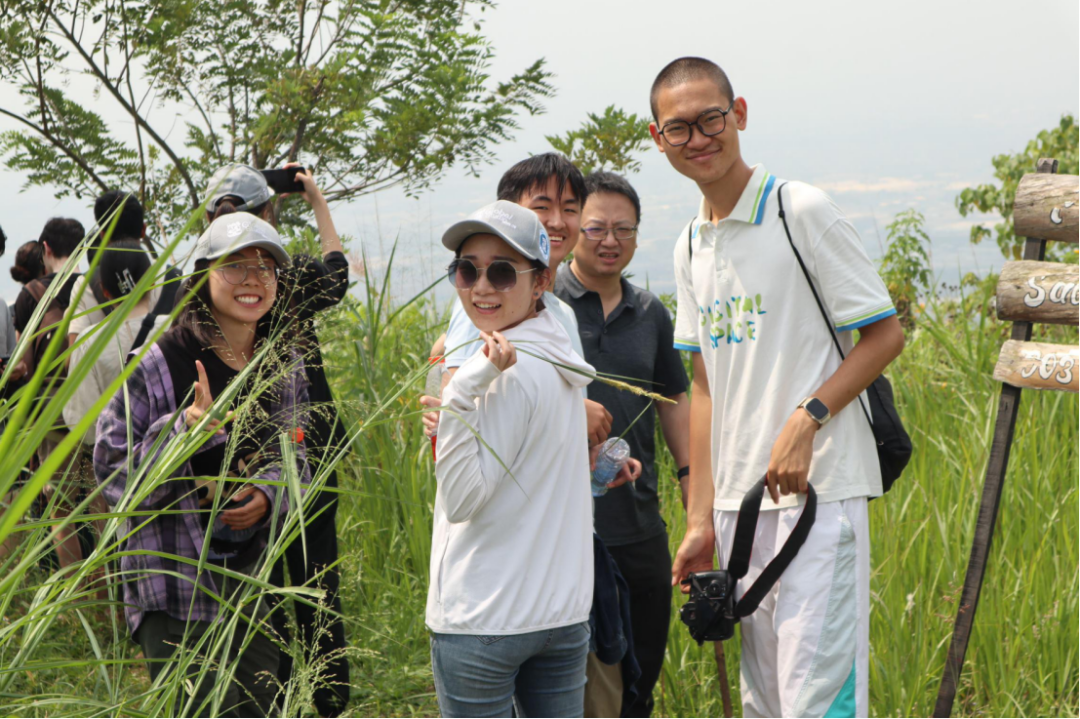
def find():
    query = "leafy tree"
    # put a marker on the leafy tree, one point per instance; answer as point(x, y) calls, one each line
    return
point(905, 266)
point(605, 142)
point(369, 93)
point(1058, 142)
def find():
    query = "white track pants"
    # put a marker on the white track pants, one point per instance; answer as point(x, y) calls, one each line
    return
point(806, 650)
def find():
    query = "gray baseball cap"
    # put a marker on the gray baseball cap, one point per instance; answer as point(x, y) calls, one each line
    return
point(236, 231)
point(241, 181)
point(518, 226)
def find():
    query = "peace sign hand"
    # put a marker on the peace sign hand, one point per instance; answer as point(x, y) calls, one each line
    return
point(201, 404)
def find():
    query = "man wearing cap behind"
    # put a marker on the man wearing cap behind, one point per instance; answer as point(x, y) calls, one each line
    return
point(768, 379)
point(311, 286)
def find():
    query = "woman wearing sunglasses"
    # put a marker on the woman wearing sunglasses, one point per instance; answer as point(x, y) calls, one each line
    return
point(511, 559)
point(222, 328)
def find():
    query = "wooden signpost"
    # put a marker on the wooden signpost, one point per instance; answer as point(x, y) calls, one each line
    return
point(1046, 208)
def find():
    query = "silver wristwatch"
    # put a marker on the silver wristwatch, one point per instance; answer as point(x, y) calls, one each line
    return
point(817, 410)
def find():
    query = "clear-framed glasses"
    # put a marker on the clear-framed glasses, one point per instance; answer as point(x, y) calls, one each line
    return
point(709, 123)
point(502, 275)
point(599, 234)
point(236, 272)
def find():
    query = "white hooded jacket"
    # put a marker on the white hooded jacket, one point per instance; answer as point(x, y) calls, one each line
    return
point(512, 552)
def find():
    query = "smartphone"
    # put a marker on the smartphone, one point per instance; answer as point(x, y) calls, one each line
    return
point(284, 180)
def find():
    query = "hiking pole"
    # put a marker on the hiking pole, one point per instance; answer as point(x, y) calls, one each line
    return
point(721, 674)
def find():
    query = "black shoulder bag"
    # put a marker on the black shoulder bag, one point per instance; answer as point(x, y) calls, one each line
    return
point(893, 442)
point(712, 612)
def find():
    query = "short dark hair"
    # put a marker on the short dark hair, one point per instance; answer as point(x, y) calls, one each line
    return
point(228, 204)
point(29, 264)
point(3, 241)
point(686, 69)
point(62, 235)
point(130, 223)
point(599, 182)
point(123, 263)
point(537, 170)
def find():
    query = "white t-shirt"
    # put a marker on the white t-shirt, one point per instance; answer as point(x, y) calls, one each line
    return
point(88, 303)
point(746, 306)
point(107, 367)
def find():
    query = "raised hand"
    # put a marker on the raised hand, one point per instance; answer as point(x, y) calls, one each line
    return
point(498, 350)
point(201, 404)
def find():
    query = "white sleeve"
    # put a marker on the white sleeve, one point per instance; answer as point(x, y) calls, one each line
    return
point(463, 486)
point(462, 337)
point(87, 303)
point(86, 392)
point(686, 306)
point(8, 333)
point(853, 292)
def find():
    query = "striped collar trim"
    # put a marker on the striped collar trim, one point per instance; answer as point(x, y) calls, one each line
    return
point(751, 205)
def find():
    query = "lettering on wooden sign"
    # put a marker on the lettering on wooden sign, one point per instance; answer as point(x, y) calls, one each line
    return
point(1048, 207)
point(1039, 292)
point(1039, 365)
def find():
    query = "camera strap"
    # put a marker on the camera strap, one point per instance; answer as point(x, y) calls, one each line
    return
point(743, 544)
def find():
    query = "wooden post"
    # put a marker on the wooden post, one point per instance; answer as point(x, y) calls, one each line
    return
point(1008, 406)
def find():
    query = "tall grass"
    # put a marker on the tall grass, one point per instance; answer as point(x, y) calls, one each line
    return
point(61, 652)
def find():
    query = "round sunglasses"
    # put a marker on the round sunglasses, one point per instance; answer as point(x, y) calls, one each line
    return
point(501, 275)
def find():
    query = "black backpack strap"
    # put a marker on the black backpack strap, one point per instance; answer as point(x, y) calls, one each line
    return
point(690, 238)
point(163, 306)
point(820, 304)
point(743, 543)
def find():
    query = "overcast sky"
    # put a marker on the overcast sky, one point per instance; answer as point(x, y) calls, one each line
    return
point(884, 105)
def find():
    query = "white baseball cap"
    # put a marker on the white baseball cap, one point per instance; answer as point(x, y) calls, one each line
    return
point(241, 181)
point(236, 231)
point(518, 226)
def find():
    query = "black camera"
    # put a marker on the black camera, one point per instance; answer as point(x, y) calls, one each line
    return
point(710, 613)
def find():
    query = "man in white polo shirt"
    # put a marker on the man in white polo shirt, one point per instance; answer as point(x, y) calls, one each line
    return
point(767, 397)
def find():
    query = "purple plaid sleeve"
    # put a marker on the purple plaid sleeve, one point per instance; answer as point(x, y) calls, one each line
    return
point(132, 434)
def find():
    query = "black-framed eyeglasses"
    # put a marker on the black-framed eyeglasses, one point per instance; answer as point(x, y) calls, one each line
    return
point(599, 234)
point(501, 275)
point(709, 123)
point(235, 273)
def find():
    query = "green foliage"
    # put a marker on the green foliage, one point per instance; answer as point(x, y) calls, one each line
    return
point(905, 266)
point(367, 93)
point(605, 142)
point(1059, 143)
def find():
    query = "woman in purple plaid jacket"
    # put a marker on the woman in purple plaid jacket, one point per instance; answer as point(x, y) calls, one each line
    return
point(166, 444)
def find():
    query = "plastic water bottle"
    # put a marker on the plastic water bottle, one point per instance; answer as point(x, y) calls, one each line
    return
point(612, 457)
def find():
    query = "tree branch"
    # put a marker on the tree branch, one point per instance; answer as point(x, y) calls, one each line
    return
point(194, 195)
point(55, 142)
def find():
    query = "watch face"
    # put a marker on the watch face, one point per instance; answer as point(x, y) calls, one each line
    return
point(817, 409)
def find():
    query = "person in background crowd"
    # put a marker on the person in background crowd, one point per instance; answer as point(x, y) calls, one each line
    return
point(130, 224)
point(29, 264)
point(511, 631)
point(7, 325)
point(222, 326)
point(769, 396)
point(627, 332)
point(58, 241)
point(311, 287)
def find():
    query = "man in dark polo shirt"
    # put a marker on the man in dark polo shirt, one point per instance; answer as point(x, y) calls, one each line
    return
point(627, 331)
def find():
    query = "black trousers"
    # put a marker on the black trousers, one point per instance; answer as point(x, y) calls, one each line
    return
point(322, 634)
point(646, 565)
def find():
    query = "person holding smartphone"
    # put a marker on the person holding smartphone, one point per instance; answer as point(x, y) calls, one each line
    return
point(311, 286)
point(513, 477)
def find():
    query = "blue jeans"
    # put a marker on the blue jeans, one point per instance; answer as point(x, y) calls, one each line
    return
point(481, 676)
